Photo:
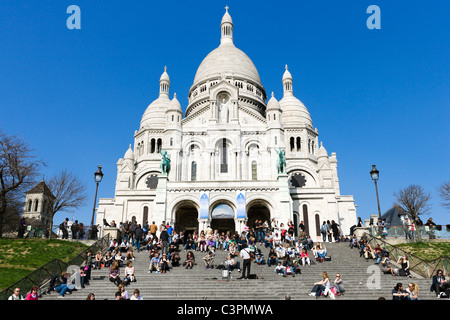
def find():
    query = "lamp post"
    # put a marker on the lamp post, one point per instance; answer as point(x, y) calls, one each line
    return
point(98, 178)
point(375, 174)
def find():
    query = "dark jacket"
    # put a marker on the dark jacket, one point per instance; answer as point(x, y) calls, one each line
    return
point(435, 282)
point(164, 236)
point(138, 233)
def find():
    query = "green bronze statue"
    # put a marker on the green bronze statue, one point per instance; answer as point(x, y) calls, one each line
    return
point(165, 162)
point(281, 162)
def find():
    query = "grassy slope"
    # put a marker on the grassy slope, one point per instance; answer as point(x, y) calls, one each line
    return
point(427, 250)
point(19, 257)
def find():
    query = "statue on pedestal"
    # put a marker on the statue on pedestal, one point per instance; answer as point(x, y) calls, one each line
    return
point(165, 162)
point(223, 111)
point(281, 162)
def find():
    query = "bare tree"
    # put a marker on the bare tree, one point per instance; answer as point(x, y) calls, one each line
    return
point(415, 202)
point(444, 193)
point(69, 192)
point(18, 171)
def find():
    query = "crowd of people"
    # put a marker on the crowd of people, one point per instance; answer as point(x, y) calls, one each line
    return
point(401, 268)
point(286, 255)
point(409, 226)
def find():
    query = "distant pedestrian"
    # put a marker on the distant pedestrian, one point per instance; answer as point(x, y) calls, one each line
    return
point(22, 228)
point(16, 295)
point(32, 295)
point(63, 228)
point(245, 254)
point(136, 295)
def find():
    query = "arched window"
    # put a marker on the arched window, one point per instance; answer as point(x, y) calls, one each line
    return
point(298, 144)
point(145, 215)
point(306, 219)
point(194, 171)
point(171, 141)
point(317, 225)
point(224, 160)
point(36, 203)
point(30, 203)
point(159, 145)
point(276, 140)
point(152, 146)
point(292, 143)
point(254, 171)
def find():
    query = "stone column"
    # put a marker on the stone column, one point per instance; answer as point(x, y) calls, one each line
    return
point(159, 204)
point(245, 171)
point(284, 197)
point(202, 224)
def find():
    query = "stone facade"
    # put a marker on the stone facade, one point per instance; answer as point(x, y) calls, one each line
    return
point(224, 155)
point(37, 203)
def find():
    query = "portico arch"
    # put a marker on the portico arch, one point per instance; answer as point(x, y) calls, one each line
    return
point(223, 217)
point(186, 216)
point(258, 209)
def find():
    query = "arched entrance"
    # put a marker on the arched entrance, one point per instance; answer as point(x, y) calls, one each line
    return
point(222, 218)
point(186, 218)
point(257, 210)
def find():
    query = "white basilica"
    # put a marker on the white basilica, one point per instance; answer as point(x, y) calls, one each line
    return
point(224, 155)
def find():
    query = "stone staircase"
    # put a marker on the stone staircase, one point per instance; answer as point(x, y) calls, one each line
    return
point(200, 283)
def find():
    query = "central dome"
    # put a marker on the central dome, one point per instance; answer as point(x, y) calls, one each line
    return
point(227, 59)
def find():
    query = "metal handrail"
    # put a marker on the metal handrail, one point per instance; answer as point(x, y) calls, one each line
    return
point(422, 267)
point(437, 232)
point(41, 276)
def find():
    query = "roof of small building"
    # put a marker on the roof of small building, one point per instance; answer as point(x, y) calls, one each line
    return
point(392, 216)
point(41, 187)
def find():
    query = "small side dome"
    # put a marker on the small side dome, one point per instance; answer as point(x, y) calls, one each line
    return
point(174, 104)
point(273, 103)
point(129, 154)
point(287, 75)
point(165, 75)
point(155, 115)
point(322, 151)
point(226, 17)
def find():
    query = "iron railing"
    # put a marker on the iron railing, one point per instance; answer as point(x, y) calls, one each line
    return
point(438, 232)
point(41, 276)
point(421, 267)
point(40, 232)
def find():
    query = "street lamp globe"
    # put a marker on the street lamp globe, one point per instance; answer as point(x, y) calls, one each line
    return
point(374, 173)
point(98, 174)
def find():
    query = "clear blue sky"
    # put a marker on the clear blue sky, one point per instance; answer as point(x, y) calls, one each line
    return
point(376, 96)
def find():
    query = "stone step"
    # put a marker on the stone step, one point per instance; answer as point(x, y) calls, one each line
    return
point(190, 284)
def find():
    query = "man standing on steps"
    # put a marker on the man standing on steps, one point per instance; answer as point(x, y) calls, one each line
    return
point(153, 229)
point(164, 236)
point(245, 255)
point(138, 235)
